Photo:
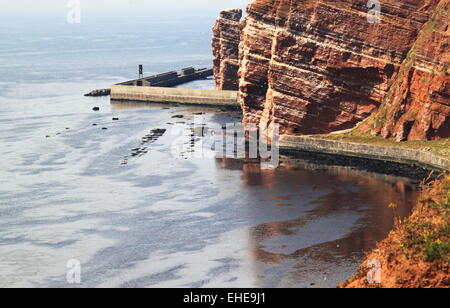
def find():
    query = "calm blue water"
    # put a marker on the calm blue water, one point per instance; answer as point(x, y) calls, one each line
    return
point(109, 46)
point(70, 189)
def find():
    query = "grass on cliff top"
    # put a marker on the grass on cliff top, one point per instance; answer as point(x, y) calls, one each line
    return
point(426, 234)
point(438, 147)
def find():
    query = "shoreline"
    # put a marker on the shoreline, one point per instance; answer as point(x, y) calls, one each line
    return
point(370, 165)
point(406, 258)
point(390, 159)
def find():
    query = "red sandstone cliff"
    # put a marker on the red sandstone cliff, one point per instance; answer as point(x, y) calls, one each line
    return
point(225, 45)
point(417, 106)
point(320, 66)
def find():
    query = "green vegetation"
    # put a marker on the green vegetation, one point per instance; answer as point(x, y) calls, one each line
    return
point(428, 233)
point(445, 69)
point(417, 251)
point(425, 80)
point(425, 239)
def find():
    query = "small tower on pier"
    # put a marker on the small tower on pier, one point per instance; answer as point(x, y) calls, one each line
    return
point(141, 71)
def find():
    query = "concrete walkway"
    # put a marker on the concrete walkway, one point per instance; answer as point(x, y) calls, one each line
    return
point(386, 153)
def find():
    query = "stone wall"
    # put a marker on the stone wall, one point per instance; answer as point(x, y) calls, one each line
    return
point(174, 95)
point(395, 154)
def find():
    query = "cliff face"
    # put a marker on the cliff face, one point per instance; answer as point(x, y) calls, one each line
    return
point(225, 45)
point(320, 66)
point(417, 106)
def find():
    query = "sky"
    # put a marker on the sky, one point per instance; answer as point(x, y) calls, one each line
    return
point(57, 5)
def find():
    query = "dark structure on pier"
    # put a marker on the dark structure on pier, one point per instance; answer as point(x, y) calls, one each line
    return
point(162, 89)
point(171, 79)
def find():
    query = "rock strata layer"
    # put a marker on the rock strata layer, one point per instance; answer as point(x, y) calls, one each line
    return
point(320, 66)
point(225, 45)
point(417, 106)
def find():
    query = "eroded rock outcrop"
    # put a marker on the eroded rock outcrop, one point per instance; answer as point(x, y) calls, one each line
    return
point(225, 45)
point(99, 92)
point(417, 106)
point(320, 66)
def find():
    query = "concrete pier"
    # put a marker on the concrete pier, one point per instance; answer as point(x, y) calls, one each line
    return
point(159, 88)
point(175, 95)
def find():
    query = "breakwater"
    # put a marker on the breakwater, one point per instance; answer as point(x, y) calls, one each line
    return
point(160, 88)
point(170, 79)
point(174, 95)
point(99, 92)
point(384, 153)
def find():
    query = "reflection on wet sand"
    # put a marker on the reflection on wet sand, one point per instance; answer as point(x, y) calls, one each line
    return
point(329, 224)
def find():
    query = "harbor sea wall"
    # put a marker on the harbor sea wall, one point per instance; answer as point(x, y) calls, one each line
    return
point(385, 153)
point(174, 95)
